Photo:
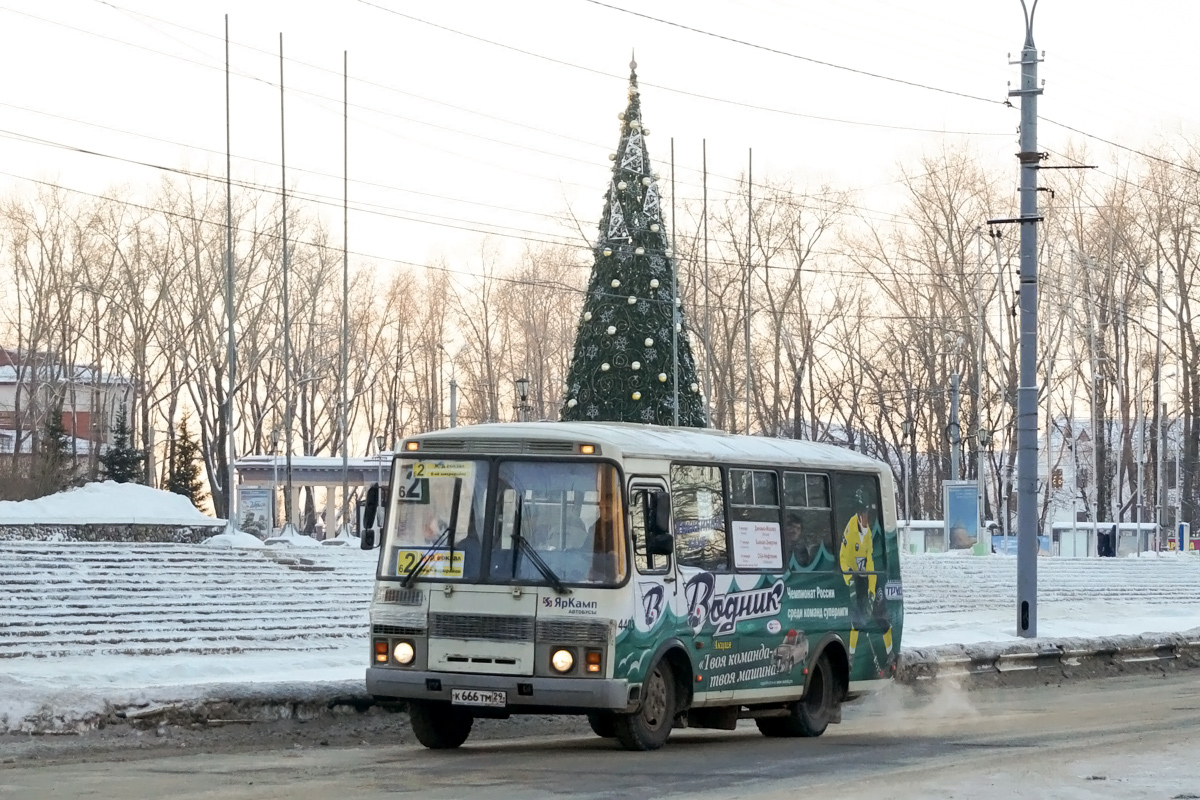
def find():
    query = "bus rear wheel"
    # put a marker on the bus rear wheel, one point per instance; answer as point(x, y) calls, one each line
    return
point(602, 724)
point(811, 715)
point(439, 726)
point(649, 726)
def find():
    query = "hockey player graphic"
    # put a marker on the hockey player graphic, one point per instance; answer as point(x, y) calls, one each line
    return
point(858, 570)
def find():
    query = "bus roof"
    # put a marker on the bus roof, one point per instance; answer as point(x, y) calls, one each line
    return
point(632, 440)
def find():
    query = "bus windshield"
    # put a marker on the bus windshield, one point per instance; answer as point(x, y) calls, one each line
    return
point(565, 515)
point(436, 504)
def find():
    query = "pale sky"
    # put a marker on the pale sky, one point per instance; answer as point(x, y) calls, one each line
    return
point(451, 135)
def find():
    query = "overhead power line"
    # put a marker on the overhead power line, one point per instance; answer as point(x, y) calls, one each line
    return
point(683, 92)
point(1127, 148)
point(797, 56)
point(538, 283)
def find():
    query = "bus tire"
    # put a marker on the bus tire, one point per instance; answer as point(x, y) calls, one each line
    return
point(602, 724)
point(649, 726)
point(439, 726)
point(811, 715)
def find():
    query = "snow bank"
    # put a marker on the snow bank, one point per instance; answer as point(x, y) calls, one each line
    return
point(234, 539)
point(290, 538)
point(106, 503)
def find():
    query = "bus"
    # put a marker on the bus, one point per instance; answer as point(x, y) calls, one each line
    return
point(648, 577)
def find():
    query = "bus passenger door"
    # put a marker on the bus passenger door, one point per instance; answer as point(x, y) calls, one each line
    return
point(655, 581)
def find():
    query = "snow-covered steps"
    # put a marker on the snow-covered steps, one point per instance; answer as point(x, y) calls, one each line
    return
point(62, 600)
point(957, 581)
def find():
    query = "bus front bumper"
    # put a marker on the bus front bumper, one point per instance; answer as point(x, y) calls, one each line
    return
point(524, 692)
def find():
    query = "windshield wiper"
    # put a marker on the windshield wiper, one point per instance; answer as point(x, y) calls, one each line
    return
point(428, 554)
point(522, 545)
point(449, 532)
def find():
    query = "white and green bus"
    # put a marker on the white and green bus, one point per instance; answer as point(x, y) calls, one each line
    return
point(647, 577)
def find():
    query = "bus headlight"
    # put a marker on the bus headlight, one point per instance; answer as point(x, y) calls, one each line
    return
point(562, 660)
point(404, 653)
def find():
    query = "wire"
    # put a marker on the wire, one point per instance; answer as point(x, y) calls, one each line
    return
point(553, 285)
point(684, 92)
point(466, 225)
point(732, 192)
point(378, 210)
point(796, 56)
point(1127, 148)
point(317, 173)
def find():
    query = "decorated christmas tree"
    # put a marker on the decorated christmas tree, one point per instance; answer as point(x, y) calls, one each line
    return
point(631, 360)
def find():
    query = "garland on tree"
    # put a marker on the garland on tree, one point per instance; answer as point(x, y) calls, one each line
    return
point(631, 358)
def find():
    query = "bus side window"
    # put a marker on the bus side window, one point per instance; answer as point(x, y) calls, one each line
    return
point(698, 505)
point(754, 498)
point(640, 509)
point(807, 518)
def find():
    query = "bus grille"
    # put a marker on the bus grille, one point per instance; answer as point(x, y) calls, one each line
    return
point(481, 626)
point(404, 597)
point(396, 630)
point(562, 631)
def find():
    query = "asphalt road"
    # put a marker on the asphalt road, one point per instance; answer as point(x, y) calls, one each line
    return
point(1117, 738)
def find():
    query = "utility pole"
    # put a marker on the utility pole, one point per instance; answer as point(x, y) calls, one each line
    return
point(675, 324)
point(1027, 391)
point(981, 489)
point(749, 272)
point(230, 341)
point(1160, 486)
point(1095, 420)
point(343, 422)
point(289, 528)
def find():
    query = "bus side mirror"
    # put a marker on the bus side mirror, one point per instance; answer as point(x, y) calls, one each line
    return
point(658, 540)
point(367, 526)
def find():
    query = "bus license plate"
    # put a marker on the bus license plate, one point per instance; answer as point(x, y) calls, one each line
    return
point(477, 697)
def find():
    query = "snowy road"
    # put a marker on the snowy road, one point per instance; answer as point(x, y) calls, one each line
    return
point(1120, 738)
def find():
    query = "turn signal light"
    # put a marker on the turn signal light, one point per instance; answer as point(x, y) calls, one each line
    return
point(587, 449)
point(593, 661)
point(410, 446)
point(381, 651)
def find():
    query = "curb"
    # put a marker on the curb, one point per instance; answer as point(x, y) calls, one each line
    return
point(1043, 661)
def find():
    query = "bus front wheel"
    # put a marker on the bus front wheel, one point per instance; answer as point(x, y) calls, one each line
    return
point(439, 726)
point(811, 715)
point(649, 726)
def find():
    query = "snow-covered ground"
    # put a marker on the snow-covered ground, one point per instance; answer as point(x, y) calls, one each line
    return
point(86, 624)
point(106, 503)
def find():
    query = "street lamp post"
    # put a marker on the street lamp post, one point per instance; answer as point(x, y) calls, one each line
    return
point(907, 427)
point(984, 437)
point(275, 437)
point(955, 343)
point(379, 442)
point(522, 384)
